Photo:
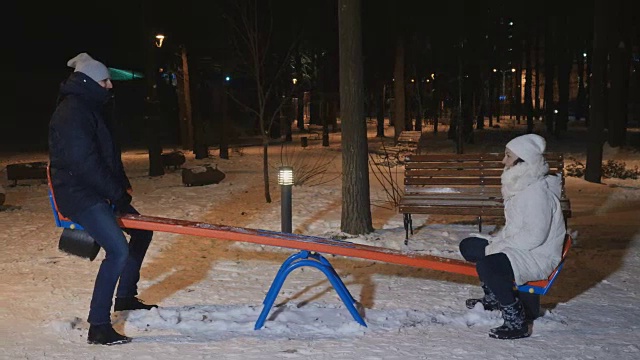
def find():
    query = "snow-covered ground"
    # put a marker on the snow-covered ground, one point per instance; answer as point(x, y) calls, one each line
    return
point(210, 291)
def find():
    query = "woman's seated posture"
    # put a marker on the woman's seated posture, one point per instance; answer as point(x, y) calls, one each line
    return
point(529, 246)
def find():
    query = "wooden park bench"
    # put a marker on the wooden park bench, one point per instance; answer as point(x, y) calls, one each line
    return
point(461, 184)
point(409, 140)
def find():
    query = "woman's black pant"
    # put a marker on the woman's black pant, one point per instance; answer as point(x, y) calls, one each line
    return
point(494, 270)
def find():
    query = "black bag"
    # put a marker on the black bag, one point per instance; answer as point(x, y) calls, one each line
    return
point(78, 243)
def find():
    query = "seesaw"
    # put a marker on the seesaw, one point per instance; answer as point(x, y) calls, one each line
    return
point(75, 240)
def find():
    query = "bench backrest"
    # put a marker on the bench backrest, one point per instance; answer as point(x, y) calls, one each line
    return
point(410, 136)
point(469, 171)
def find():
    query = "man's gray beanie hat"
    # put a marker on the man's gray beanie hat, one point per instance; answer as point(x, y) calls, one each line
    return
point(89, 66)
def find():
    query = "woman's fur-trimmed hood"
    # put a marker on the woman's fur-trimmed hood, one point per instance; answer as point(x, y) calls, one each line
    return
point(519, 177)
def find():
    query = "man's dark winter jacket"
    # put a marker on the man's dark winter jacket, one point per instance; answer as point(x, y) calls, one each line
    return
point(85, 162)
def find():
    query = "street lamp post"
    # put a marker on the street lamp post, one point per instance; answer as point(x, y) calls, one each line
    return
point(153, 111)
point(503, 96)
point(285, 179)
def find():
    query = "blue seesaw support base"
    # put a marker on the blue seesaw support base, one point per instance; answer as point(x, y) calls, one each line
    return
point(312, 259)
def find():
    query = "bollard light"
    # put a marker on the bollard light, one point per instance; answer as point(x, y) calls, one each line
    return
point(285, 179)
point(285, 175)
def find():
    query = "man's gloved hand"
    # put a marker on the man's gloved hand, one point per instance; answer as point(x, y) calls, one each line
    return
point(123, 202)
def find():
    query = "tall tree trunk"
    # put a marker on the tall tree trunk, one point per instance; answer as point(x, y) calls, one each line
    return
point(300, 108)
point(356, 205)
point(226, 123)
point(517, 79)
point(581, 97)
point(479, 86)
point(595, 134)
point(589, 74)
point(408, 108)
point(436, 105)
point(468, 95)
point(418, 105)
point(549, 73)
point(564, 71)
point(537, 65)
point(381, 98)
point(398, 89)
point(528, 101)
point(490, 99)
point(619, 64)
point(200, 147)
point(184, 102)
point(299, 92)
point(326, 105)
point(265, 168)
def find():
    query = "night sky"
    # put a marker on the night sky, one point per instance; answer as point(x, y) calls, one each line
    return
point(119, 33)
point(48, 35)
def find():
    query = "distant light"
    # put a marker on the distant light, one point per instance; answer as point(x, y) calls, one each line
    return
point(495, 70)
point(430, 80)
point(555, 111)
point(433, 76)
point(228, 78)
point(159, 40)
point(513, 69)
point(412, 80)
point(584, 54)
point(510, 23)
point(294, 81)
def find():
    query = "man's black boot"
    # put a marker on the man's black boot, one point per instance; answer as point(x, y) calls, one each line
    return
point(131, 303)
point(105, 335)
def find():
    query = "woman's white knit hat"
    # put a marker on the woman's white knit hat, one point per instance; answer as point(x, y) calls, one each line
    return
point(528, 147)
point(90, 67)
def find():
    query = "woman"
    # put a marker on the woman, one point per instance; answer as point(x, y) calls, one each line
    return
point(529, 246)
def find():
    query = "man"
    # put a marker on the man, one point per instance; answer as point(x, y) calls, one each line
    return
point(90, 184)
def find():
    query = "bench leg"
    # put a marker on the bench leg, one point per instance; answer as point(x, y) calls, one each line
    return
point(408, 226)
point(480, 224)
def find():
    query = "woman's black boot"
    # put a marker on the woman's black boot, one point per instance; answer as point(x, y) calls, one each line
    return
point(489, 301)
point(515, 324)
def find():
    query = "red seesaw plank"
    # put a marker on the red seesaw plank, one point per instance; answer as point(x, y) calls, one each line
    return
point(295, 241)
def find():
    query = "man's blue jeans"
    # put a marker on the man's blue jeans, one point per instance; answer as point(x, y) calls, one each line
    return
point(122, 260)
